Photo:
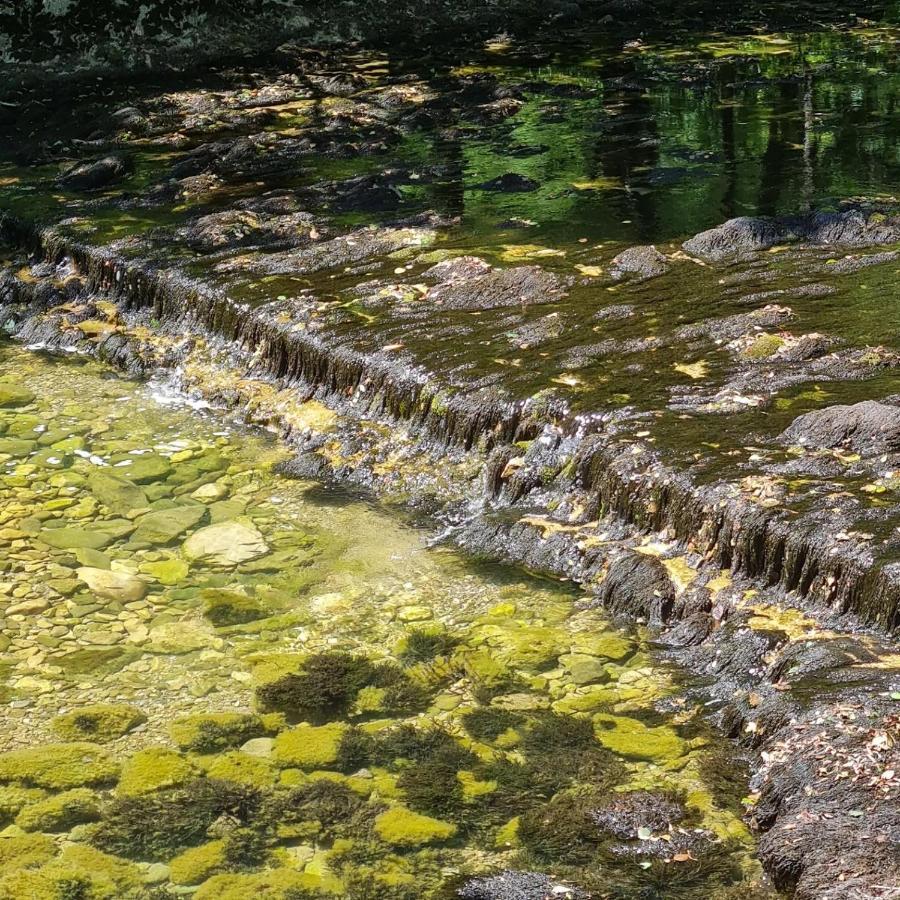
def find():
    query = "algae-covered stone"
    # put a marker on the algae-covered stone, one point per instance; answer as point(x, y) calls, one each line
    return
point(226, 543)
point(197, 864)
point(182, 637)
point(60, 812)
point(113, 585)
point(401, 827)
point(213, 732)
point(79, 872)
point(75, 538)
point(167, 571)
point(309, 747)
point(152, 769)
point(584, 669)
point(145, 468)
point(632, 739)
point(11, 396)
point(242, 768)
point(224, 608)
point(162, 526)
point(21, 851)
point(117, 493)
point(100, 722)
point(59, 767)
point(13, 797)
point(273, 884)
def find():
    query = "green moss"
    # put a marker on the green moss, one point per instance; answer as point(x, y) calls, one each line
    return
point(198, 863)
point(59, 767)
point(402, 827)
point(213, 732)
point(153, 769)
point(763, 346)
point(79, 873)
point(99, 722)
point(508, 835)
point(632, 739)
point(473, 787)
point(157, 826)
point(275, 884)
point(308, 746)
point(60, 812)
point(25, 851)
point(13, 798)
point(242, 768)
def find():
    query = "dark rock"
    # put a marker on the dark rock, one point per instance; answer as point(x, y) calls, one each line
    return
point(519, 286)
point(91, 176)
point(628, 812)
point(638, 586)
point(869, 428)
point(738, 237)
point(519, 886)
point(640, 263)
point(460, 268)
point(510, 183)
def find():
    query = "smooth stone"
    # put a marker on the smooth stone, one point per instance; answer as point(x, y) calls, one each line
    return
point(75, 538)
point(584, 669)
point(116, 492)
point(226, 544)
point(164, 525)
point(167, 571)
point(17, 447)
point(261, 747)
point(142, 469)
point(113, 585)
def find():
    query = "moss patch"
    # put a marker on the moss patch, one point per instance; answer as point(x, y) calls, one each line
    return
point(213, 732)
point(99, 722)
point(153, 769)
point(59, 767)
point(308, 746)
point(401, 827)
point(198, 863)
point(60, 812)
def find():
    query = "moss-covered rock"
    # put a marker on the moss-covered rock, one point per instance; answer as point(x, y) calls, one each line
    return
point(197, 864)
point(21, 851)
point(275, 884)
point(308, 746)
point(242, 768)
point(14, 797)
point(630, 738)
point(401, 827)
point(99, 722)
point(79, 873)
point(60, 812)
point(153, 769)
point(59, 767)
point(213, 732)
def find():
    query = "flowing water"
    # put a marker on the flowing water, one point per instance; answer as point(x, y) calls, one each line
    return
point(173, 608)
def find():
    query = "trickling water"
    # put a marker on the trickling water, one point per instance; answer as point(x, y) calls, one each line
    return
point(211, 673)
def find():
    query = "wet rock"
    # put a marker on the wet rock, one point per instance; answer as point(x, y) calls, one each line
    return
point(519, 886)
point(638, 586)
point(91, 176)
point(510, 183)
point(119, 494)
point(869, 428)
point(164, 525)
point(738, 237)
point(459, 268)
point(640, 263)
point(75, 538)
point(519, 286)
point(12, 395)
point(225, 544)
point(112, 585)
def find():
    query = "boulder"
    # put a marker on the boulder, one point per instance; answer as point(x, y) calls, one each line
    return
point(638, 586)
point(226, 544)
point(869, 428)
point(639, 263)
point(95, 174)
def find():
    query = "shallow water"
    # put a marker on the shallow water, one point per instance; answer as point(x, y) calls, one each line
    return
point(118, 631)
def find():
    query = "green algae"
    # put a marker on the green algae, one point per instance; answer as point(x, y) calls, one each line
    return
point(98, 722)
point(59, 766)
